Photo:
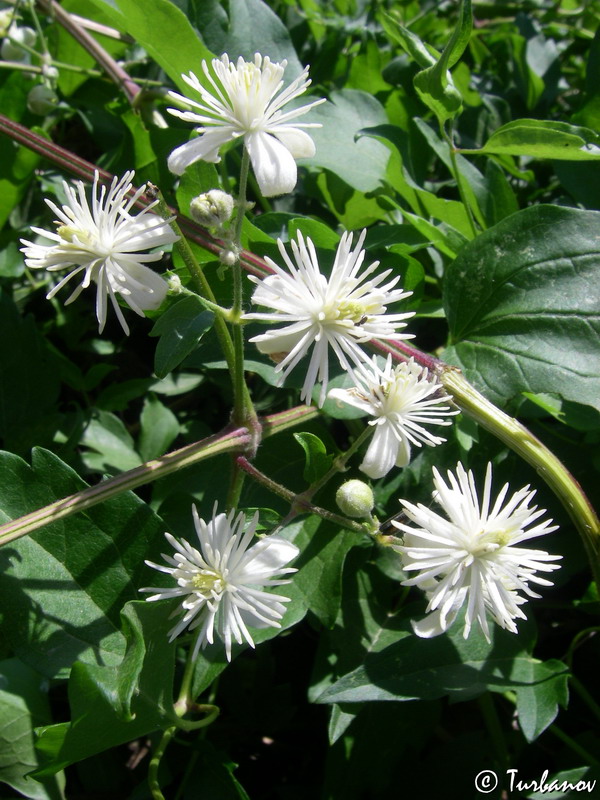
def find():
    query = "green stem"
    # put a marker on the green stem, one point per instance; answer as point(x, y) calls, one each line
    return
point(585, 695)
point(459, 178)
point(492, 723)
point(225, 442)
point(339, 463)
point(588, 758)
point(243, 408)
point(155, 763)
point(529, 447)
point(299, 504)
point(197, 273)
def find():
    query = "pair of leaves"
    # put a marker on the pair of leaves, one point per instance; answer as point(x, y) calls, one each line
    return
point(433, 83)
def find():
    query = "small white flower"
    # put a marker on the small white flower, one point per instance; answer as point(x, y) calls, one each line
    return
point(221, 583)
point(401, 399)
point(104, 242)
point(472, 556)
point(341, 312)
point(246, 100)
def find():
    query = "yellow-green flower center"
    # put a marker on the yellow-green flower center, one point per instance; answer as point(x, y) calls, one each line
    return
point(208, 582)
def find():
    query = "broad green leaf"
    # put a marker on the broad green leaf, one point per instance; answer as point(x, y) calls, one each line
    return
point(29, 379)
point(539, 138)
point(537, 704)
point(163, 31)
point(251, 27)
point(357, 160)
point(180, 329)
point(23, 706)
point(583, 780)
point(318, 461)
point(423, 203)
point(159, 428)
point(323, 550)
point(111, 446)
point(63, 586)
point(412, 668)
point(523, 306)
point(111, 705)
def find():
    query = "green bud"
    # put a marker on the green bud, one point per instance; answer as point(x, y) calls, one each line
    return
point(212, 209)
point(42, 100)
point(355, 499)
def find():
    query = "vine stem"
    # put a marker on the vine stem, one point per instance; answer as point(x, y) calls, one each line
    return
point(85, 170)
point(108, 64)
point(299, 503)
point(155, 763)
point(228, 440)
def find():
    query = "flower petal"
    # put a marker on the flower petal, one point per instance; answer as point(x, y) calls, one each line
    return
point(273, 164)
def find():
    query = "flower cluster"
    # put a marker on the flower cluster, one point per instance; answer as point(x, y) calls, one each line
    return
point(469, 558)
point(221, 584)
point(472, 556)
point(105, 243)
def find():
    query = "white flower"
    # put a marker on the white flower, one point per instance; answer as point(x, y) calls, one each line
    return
point(104, 242)
point(341, 312)
point(400, 398)
point(221, 583)
point(472, 557)
point(246, 100)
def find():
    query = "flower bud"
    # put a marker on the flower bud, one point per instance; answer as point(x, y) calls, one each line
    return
point(228, 257)
point(355, 499)
point(10, 50)
point(42, 100)
point(212, 209)
point(174, 284)
point(49, 71)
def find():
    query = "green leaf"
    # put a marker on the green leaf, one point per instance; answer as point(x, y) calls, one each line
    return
point(180, 329)
point(434, 84)
point(412, 668)
point(424, 55)
point(212, 776)
point(159, 428)
point(323, 550)
point(111, 705)
point(252, 28)
point(359, 161)
point(537, 704)
point(522, 309)
point(539, 138)
point(318, 461)
point(29, 378)
point(63, 586)
point(112, 447)
point(163, 31)
point(23, 706)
